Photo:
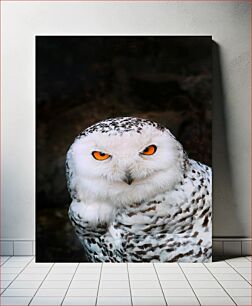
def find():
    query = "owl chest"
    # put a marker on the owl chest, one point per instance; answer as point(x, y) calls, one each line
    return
point(152, 218)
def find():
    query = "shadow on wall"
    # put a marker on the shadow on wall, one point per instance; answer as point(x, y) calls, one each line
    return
point(225, 214)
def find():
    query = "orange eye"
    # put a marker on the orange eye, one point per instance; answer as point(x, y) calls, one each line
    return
point(100, 155)
point(150, 150)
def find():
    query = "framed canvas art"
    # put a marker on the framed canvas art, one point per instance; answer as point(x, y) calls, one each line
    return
point(123, 148)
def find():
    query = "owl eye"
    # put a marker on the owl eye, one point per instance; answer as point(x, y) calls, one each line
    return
point(100, 155)
point(150, 150)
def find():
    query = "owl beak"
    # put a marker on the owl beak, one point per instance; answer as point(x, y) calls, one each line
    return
point(128, 178)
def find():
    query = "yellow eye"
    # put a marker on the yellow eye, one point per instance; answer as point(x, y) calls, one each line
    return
point(100, 155)
point(150, 150)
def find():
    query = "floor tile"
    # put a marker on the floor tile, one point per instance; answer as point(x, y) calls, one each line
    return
point(210, 292)
point(241, 264)
point(146, 292)
point(178, 292)
point(196, 270)
point(14, 264)
point(114, 292)
point(141, 271)
point(51, 292)
point(139, 264)
point(55, 284)
point(82, 292)
point(87, 268)
point(104, 300)
point(204, 284)
point(174, 284)
point(86, 277)
point(66, 264)
point(3, 259)
point(10, 270)
point(115, 271)
point(15, 300)
point(115, 276)
point(94, 264)
point(40, 265)
point(36, 270)
point(200, 276)
point(114, 284)
point(170, 270)
point(239, 291)
point(243, 300)
point(147, 300)
point(88, 271)
point(235, 284)
point(47, 300)
point(116, 267)
point(61, 270)
point(243, 270)
point(19, 292)
point(172, 276)
point(25, 284)
point(220, 300)
point(191, 264)
point(230, 276)
point(113, 264)
point(165, 264)
point(5, 283)
point(217, 264)
point(144, 284)
point(176, 300)
point(237, 259)
point(8, 276)
point(29, 276)
point(248, 277)
point(21, 258)
point(220, 270)
point(58, 277)
point(85, 284)
point(80, 300)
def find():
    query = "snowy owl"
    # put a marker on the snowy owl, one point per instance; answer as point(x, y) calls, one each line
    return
point(136, 196)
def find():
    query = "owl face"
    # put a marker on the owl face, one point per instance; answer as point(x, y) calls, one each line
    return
point(125, 167)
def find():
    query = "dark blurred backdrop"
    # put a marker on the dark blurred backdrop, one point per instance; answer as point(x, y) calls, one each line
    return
point(81, 80)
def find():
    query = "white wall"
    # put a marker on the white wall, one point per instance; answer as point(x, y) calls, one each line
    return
point(227, 22)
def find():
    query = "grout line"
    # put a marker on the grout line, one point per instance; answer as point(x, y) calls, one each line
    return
point(70, 284)
point(17, 275)
point(96, 300)
point(129, 284)
point(239, 273)
point(159, 283)
point(41, 283)
point(220, 284)
point(189, 283)
point(9, 257)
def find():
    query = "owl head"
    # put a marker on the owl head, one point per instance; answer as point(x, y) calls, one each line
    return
point(124, 160)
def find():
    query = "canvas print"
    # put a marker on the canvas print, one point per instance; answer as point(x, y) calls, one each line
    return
point(124, 149)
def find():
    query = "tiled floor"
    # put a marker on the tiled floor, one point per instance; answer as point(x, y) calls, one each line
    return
point(24, 282)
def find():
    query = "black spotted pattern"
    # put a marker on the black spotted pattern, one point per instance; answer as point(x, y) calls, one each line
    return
point(121, 125)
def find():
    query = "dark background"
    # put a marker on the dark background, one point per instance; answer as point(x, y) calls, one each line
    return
point(82, 80)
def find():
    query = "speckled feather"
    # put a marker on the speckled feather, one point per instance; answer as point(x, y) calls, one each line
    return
point(172, 226)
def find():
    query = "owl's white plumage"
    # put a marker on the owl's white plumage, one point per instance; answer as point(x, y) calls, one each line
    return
point(108, 212)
